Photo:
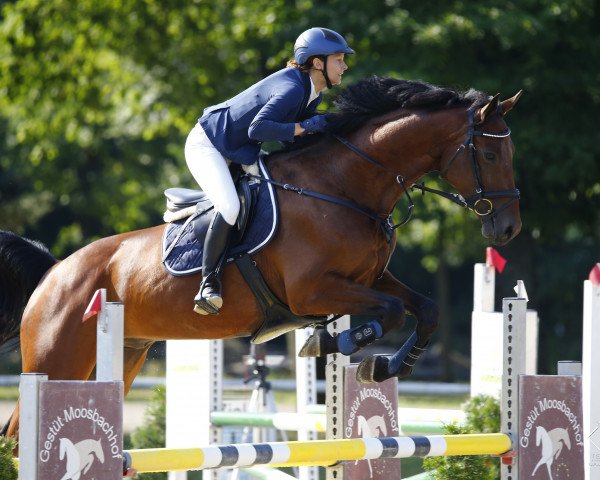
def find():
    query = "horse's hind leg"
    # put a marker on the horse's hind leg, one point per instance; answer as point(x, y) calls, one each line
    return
point(55, 342)
point(134, 356)
point(11, 428)
point(133, 359)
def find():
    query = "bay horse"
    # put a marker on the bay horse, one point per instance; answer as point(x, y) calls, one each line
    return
point(325, 259)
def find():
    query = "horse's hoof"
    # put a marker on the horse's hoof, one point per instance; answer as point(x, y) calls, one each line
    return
point(373, 369)
point(318, 344)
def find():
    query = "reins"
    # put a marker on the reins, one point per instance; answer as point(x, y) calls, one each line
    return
point(385, 223)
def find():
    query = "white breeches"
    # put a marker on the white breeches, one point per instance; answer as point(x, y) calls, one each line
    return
point(210, 169)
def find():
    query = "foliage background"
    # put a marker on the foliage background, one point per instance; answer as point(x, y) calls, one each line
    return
point(96, 99)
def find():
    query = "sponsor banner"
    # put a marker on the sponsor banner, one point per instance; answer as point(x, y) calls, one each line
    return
point(370, 410)
point(81, 430)
point(550, 427)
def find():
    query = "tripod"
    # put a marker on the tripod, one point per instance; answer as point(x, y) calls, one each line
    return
point(261, 401)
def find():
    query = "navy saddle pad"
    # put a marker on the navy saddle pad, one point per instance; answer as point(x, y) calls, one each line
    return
point(184, 257)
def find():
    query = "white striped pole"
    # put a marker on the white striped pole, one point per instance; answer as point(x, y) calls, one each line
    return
point(589, 379)
point(334, 393)
point(515, 360)
point(316, 452)
point(306, 394)
point(317, 422)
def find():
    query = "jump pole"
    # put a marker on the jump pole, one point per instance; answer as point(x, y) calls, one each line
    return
point(318, 452)
point(306, 394)
point(590, 372)
point(514, 364)
point(487, 347)
point(313, 422)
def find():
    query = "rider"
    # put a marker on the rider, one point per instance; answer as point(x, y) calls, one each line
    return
point(279, 107)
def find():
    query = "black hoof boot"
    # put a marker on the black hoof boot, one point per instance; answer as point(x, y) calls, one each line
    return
point(373, 369)
point(319, 344)
point(381, 367)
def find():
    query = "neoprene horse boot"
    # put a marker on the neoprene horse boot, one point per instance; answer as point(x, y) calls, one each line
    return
point(209, 299)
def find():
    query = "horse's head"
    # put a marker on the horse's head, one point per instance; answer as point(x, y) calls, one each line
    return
point(480, 168)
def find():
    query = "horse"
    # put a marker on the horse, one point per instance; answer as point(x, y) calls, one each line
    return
point(327, 257)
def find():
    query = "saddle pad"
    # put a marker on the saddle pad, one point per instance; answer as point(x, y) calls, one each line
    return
point(185, 257)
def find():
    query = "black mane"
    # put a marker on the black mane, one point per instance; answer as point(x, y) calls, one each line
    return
point(375, 96)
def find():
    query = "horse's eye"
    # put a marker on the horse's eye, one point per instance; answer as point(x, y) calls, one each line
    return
point(489, 156)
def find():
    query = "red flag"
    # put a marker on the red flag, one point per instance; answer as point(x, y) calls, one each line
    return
point(494, 259)
point(595, 275)
point(94, 307)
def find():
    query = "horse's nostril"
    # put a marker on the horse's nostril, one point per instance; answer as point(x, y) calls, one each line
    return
point(509, 231)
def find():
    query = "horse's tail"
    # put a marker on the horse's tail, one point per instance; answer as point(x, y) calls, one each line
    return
point(23, 263)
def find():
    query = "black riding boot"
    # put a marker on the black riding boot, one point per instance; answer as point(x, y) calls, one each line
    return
point(209, 299)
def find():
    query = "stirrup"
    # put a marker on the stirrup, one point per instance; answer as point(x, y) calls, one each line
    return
point(210, 305)
point(204, 307)
point(207, 306)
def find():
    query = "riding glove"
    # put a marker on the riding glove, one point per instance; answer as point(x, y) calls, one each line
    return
point(314, 124)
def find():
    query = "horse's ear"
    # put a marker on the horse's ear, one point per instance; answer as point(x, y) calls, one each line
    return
point(507, 105)
point(488, 109)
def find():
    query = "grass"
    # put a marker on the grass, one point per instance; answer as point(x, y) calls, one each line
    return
point(432, 401)
point(287, 400)
point(11, 394)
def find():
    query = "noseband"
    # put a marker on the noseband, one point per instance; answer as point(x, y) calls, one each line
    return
point(480, 201)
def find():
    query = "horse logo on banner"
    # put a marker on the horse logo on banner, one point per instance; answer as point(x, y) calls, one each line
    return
point(80, 456)
point(552, 444)
point(373, 427)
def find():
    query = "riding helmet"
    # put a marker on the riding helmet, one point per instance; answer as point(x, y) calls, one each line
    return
point(319, 41)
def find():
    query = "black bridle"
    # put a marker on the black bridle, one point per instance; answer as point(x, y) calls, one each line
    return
point(475, 202)
point(480, 201)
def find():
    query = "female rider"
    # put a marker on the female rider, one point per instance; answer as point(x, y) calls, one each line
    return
point(279, 107)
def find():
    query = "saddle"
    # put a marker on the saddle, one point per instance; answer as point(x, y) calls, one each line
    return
point(195, 205)
point(189, 213)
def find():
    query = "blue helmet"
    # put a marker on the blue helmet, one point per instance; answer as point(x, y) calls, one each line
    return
point(319, 41)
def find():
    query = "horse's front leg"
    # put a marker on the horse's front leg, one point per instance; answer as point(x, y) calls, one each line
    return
point(345, 296)
point(380, 367)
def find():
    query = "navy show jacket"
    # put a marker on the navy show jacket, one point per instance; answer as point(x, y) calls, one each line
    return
point(266, 111)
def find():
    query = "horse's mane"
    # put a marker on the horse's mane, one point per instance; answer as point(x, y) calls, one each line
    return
point(376, 95)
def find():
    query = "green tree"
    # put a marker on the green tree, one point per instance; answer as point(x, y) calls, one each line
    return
point(8, 469)
point(97, 98)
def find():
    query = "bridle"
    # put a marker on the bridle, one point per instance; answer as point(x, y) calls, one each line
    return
point(480, 201)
